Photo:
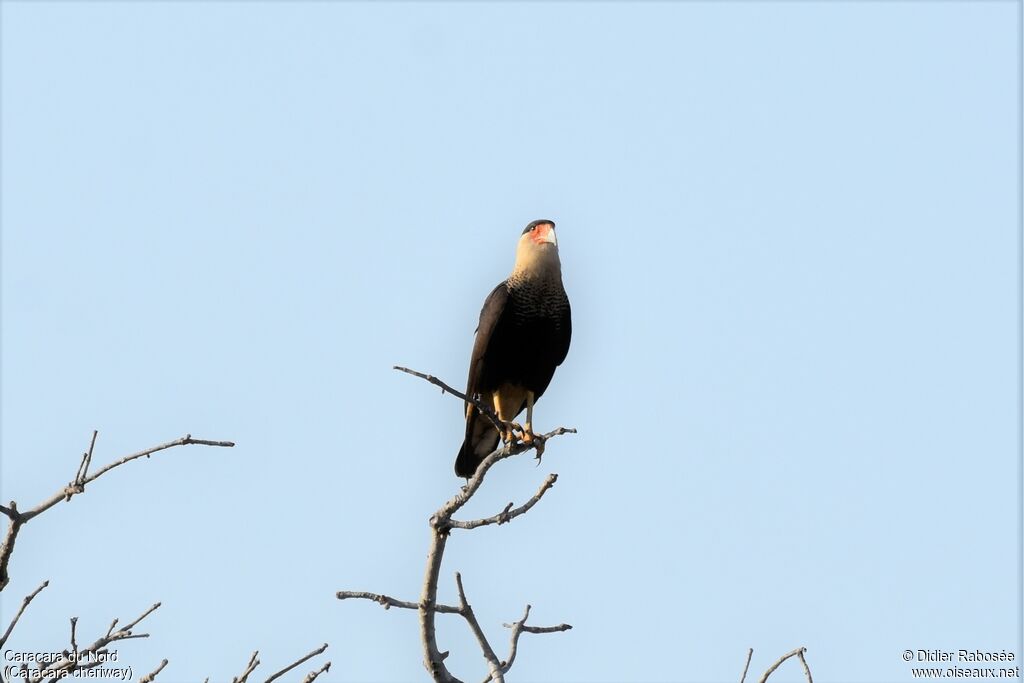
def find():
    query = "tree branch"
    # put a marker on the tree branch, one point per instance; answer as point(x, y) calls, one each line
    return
point(254, 661)
point(314, 653)
point(803, 661)
point(249, 668)
point(77, 485)
point(148, 678)
point(518, 628)
point(508, 514)
point(87, 658)
point(799, 652)
point(485, 410)
point(24, 603)
point(467, 612)
point(388, 602)
point(750, 653)
point(311, 676)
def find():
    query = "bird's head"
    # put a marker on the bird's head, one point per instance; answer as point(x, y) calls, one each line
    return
point(537, 252)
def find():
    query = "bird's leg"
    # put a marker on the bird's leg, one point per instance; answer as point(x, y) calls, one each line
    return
point(507, 436)
point(528, 427)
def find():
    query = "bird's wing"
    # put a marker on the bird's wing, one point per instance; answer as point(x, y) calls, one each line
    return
point(490, 315)
point(565, 325)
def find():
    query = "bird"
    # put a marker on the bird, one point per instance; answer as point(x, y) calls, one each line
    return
point(523, 335)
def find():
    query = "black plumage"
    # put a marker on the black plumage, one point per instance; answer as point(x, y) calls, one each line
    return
point(523, 335)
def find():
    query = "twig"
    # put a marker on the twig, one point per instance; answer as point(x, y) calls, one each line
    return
point(87, 658)
point(484, 409)
point(18, 519)
point(519, 628)
point(388, 602)
point(799, 652)
point(291, 666)
point(83, 468)
point(311, 676)
point(24, 603)
point(750, 653)
point(442, 518)
point(508, 514)
point(145, 614)
point(807, 669)
point(253, 663)
point(148, 678)
point(74, 643)
point(467, 612)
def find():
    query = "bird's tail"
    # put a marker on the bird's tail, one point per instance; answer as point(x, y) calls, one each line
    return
point(481, 439)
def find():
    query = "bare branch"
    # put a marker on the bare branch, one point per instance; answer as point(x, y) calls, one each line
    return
point(807, 669)
point(311, 676)
point(8, 545)
point(24, 603)
point(291, 666)
point(434, 658)
point(484, 409)
point(145, 614)
point(750, 653)
point(799, 652)
point(442, 518)
point(77, 485)
point(388, 602)
point(83, 468)
point(148, 678)
point(518, 628)
point(87, 657)
point(467, 612)
point(508, 514)
point(253, 663)
point(74, 643)
point(71, 490)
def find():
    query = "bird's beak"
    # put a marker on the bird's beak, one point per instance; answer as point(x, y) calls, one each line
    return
point(548, 235)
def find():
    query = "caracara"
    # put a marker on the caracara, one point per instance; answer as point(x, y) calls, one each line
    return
point(522, 337)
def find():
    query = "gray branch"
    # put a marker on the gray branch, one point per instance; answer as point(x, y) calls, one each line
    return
point(311, 676)
point(519, 628)
point(87, 658)
point(750, 653)
point(254, 661)
point(77, 485)
point(151, 676)
point(318, 651)
point(467, 612)
point(799, 653)
point(508, 514)
point(24, 603)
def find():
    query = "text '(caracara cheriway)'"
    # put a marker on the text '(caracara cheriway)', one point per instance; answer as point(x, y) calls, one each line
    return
point(523, 335)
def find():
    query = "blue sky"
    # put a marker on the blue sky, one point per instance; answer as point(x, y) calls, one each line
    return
point(789, 234)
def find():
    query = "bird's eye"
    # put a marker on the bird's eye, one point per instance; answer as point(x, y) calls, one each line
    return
point(533, 229)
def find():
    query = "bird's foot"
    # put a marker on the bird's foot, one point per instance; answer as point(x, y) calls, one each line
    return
point(508, 437)
point(538, 446)
point(512, 433)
